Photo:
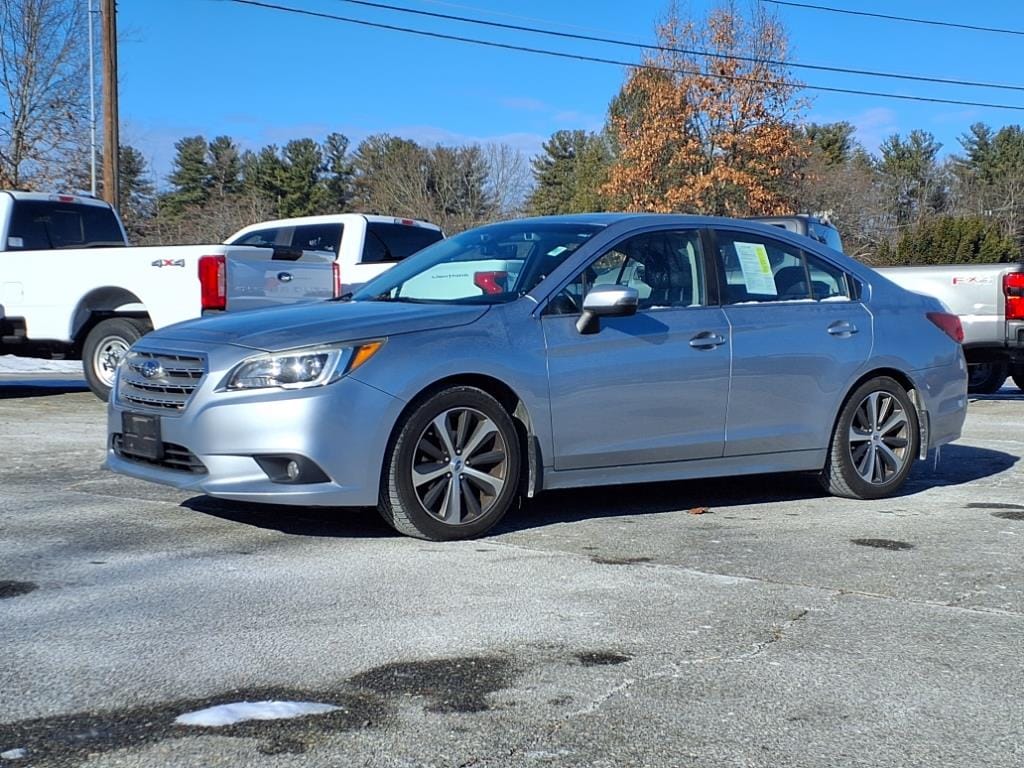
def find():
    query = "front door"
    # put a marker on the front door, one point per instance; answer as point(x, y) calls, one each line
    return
point(648, 388)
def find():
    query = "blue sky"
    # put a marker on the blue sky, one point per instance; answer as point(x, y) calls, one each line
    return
point(213, 67)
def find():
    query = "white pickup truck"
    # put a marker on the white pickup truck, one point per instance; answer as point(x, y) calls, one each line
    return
point(363, 245)
point(71, 288)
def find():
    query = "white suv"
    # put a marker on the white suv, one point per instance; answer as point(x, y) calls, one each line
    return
point(364, 245)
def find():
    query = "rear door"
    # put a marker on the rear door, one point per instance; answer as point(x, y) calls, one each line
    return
point(799, 335)
point(649, 388)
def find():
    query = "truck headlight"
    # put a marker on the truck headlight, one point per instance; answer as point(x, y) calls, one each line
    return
point(300, 368)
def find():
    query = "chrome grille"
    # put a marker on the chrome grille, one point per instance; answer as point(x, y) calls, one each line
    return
point(162, 382)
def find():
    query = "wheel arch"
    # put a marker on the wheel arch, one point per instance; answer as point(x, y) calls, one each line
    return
point(100, 304)
point(509, 399)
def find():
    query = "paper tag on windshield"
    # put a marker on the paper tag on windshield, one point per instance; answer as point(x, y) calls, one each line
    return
point(15, 242)
point(757, 269)
point(556, 251)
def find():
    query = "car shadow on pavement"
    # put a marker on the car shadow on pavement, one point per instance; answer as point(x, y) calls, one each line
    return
point(19, 387)
point(333, 522)
point(959, 464)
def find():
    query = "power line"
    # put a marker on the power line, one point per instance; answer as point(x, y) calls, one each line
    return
point(888, 17)
point(689, 52)
point(617, 62)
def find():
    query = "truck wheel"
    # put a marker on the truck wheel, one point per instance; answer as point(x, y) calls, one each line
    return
point(1017, 371)
point(105, 346)
point(453, 471)
point(986, 378)
point(875, 442)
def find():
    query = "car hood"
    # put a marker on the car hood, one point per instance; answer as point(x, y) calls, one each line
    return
point(276, 329)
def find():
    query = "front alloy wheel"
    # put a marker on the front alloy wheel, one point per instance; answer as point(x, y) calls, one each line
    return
point(452, 471)
point(460, 466)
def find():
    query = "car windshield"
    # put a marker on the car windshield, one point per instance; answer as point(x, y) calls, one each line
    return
point(490, 265)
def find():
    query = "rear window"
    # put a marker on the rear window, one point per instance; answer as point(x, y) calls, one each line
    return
point(393, 242)
point(41, 225)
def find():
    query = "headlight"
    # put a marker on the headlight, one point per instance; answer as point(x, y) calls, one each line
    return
point(300, 368)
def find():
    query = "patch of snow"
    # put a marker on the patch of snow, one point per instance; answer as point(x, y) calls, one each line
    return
point(12, 364)
point(14, 754)
point(229, 714)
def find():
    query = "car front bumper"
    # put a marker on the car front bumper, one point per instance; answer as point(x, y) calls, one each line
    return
point(342, 428)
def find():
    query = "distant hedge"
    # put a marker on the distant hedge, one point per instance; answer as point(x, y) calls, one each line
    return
point(950, 240)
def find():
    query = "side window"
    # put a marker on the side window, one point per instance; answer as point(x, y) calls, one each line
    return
point(763, 269)
point(666, 269)
point(827, 281)
point(266, 238)
point(317, 237)
point(759, 268)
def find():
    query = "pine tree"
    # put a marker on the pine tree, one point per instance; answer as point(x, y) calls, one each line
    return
point(569, 173)
point(190, 176)
point(340, 172)
point(225, 167)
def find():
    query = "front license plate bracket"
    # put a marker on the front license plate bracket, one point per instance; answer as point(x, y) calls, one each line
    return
point(141, 436)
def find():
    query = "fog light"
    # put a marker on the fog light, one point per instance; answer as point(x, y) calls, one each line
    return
point(291, 469)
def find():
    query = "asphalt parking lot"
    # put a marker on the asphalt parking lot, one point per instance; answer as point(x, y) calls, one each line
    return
point(608, 627)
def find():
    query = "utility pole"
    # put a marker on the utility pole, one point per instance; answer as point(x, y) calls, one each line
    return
point(111, 141)
point(91, 20)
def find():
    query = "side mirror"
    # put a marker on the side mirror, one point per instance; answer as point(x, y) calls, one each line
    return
point(606, 301)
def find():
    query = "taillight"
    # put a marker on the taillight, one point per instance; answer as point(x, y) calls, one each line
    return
point(213, 286)
point(491, 282)
point(950, 324)
point(1013, 288)
point(336, 275)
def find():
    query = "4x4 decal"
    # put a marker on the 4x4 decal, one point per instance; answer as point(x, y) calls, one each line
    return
point(168, 263)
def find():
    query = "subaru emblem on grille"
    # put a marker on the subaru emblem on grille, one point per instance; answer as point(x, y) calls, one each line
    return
point(151, 369)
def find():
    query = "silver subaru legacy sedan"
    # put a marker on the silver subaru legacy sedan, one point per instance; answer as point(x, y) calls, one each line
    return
point(548, 353)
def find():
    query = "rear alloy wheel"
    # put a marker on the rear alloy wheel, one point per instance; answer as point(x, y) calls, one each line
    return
point(104, 347)
point(453, 471)
point(1017, 372)
point(875, 442)
point(986, 378)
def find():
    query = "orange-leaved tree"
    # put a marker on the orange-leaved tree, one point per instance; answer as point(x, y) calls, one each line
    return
point(713, 134)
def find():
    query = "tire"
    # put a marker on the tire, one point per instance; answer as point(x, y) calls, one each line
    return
point(428, 509)
point(986, 378)
point(865, 462)
point(104, 346)
point(1017, 372)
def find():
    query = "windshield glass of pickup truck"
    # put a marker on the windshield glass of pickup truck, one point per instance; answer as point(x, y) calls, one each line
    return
point(489, 265)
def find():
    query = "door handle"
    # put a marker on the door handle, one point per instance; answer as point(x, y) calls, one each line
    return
point(707, 340)
point(842, 329)
point(284, 277)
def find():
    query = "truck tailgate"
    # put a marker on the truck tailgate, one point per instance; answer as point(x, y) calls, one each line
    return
point(256, 279)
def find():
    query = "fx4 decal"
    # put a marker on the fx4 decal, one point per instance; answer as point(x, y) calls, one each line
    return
point(168, 263)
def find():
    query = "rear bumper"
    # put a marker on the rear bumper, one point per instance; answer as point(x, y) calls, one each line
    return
point(943, 396)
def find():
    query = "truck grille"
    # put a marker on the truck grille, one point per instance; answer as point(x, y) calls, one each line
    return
point(175, 457)
point(163, 382)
